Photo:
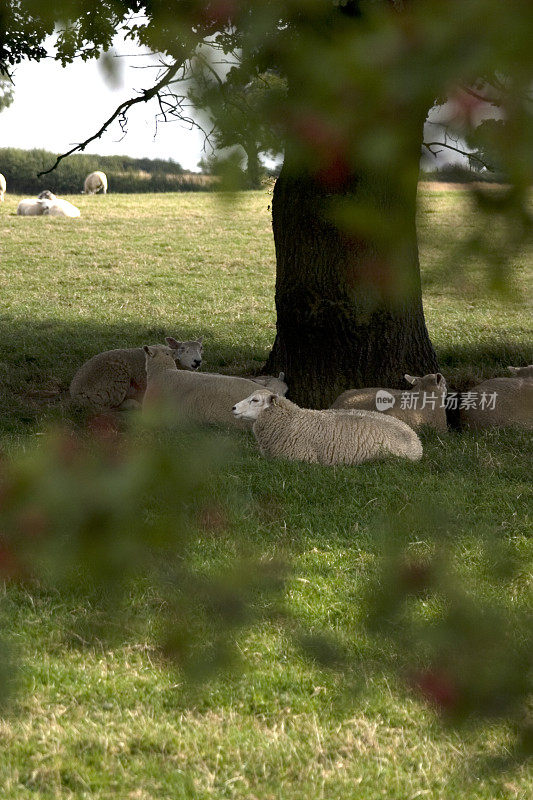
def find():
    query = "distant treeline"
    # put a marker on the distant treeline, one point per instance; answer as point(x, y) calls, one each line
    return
point(456, 173)
point(124, 174)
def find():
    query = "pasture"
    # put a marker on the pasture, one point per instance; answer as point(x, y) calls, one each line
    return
point(98, 720)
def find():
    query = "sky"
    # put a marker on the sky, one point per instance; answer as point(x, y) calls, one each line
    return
point(56, 107)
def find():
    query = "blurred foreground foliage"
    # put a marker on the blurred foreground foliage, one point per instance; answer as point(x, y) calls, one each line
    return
point(87, 512)
point(90, 512)
point(461, 630)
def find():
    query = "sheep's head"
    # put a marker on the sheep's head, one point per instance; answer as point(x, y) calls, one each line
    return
point(187, 354)
point(434, 382)
point(276, 385)
point(522, 372)
point(160, 355)
point(46, 195)
point(251, 406)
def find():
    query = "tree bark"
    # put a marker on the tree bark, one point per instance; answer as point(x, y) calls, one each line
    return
point(348, 294)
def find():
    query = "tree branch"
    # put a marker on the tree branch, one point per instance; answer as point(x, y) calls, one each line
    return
point(429, 145)
point(120, 111)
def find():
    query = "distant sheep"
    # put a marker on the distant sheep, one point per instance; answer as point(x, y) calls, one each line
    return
point(284, 430)
point(61, 208)
point(3, 187)
point(117, 378)
point(276, 385)
point(422, 405)
point(500, 402)
point(95, 182)
point(46, 195)
point(205, 397)
point(33, 207)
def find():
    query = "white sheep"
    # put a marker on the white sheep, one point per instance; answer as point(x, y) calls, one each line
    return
point(61, 208)
point(95, 182)
point(206, 397)
point(33, 207)
point(285, 430)
point(422, 405)
point(500, 402)
point(276, 385)
point(3, 187)
point(117, 378)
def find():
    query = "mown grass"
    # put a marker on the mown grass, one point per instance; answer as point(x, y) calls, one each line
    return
point(95, 720)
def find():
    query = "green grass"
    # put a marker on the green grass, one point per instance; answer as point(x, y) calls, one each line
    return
point(95, 720)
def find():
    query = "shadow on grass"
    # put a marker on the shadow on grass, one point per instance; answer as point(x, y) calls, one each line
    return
point(40, 357)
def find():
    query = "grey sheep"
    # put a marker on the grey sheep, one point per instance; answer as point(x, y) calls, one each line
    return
point(500, 402)
point(206, 397)
point(423, 405)
point(117, 378)
point(284, 430)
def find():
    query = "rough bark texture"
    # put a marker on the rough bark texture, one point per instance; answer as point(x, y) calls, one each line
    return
point(349, 308)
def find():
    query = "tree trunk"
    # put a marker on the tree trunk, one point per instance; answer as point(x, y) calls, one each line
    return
point(348, 295)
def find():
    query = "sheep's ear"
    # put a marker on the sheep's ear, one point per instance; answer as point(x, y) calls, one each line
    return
point(272, 398)
point(281, 376)
point(440, 378)
point(514, 370)
point(410, 379)
point(173, 343)
point(200, 339)
point(147, 350)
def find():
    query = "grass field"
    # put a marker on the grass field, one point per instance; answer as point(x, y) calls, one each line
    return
point(114, 721)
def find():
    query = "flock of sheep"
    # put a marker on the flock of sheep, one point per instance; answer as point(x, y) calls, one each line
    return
point(352, 431)
point(47, 204)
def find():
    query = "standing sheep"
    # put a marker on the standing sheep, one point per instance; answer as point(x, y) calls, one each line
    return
point(499, 402)
point(205, 397)
point(284, 430)
point(425, 404)
point(95, 182)
point(3, 187)
point(117, 378)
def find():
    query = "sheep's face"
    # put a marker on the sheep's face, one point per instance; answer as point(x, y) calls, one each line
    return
point(187, 354)
point(251, 407)
point(522, 372)
point(434, 382)
point(276, 385)
point(46, 195)
point(159, 354)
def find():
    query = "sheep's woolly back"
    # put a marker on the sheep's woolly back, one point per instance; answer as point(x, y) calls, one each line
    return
point(205, 397)
point(432, 412)
point(513, 404)
point(284, 430)
point(113, 379)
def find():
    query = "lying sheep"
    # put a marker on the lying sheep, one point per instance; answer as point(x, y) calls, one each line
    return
point(117, 378)
point(3, 187)
point(276, 385)
point(95, 182)
point(206, 397)
point(33, 207)
point(500, 402)
point(61, 208)
point(285, 430)
point(423, 405)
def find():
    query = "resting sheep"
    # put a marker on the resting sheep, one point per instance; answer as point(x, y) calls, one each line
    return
point(33, 207)
point(422, 405)
point(3, 187)
point(205, 397)
point(117, 378)
point(95, 182)
point(499, 402)
point(285, 430)
point(61, 208)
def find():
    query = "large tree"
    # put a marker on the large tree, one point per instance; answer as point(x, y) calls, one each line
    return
point(360, 77)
